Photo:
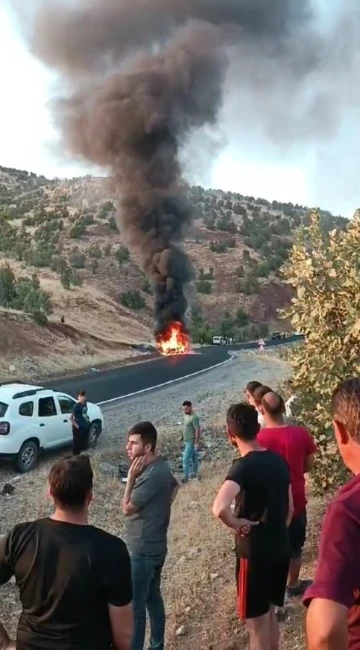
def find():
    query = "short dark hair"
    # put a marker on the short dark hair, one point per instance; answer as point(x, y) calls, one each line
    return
point(147, 433)
point(71, 480)
point(260, 392)
point(187, 403)
point(346, 406)
point(252, 386)
point(276, 406)
point(242, 420)
point(81, 393)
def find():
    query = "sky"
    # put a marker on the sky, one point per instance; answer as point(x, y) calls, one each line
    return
point(248, 163)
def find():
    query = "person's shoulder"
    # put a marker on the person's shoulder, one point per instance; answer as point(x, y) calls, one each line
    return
point(23, 531)
point(107, 540)
point(275, 460)
point(347, 500)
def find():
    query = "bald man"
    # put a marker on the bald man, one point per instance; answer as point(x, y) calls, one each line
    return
point(296, 445)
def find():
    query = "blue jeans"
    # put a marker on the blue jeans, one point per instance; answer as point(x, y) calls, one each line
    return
point(190, 460)
point(146, 578)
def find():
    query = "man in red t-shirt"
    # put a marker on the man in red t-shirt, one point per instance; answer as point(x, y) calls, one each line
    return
point(296, 445)
point(333, 619)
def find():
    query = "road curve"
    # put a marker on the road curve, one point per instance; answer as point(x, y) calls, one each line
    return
point(108, 385)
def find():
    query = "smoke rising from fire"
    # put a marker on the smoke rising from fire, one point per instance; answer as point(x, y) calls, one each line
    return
point(139, 77)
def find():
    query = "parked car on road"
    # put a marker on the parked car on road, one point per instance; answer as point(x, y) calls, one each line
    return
point(35, 419)
point(218, 340)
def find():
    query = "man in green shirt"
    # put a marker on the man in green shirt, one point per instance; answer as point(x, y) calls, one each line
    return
point(191, 438)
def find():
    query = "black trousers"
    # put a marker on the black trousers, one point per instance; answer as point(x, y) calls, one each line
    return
point(80, 440)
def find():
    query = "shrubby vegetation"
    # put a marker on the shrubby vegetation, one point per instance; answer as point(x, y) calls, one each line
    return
point(132, 300)
point(324, 269)
point(24, 294)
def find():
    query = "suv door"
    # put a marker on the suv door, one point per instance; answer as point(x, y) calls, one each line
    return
point(66, 406)
point(50, 422)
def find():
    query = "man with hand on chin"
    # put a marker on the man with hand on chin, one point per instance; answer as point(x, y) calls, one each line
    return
point(259, 483)
point(149, 494)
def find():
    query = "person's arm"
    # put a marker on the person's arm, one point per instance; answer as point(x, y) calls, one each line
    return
point(290, 508)
point(310, 451)
point(6, 573)
point(136, 469)
point(336, 580)
point(309, 463)
point(137, 496)
point(327, 626)
point(175, 490)
point(122, 626)
point(118, 588)
point(196, 423)
point(73, 417)
point(222, 508)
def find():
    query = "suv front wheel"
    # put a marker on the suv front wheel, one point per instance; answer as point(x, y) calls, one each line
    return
point(27, 457)
point(94, 433)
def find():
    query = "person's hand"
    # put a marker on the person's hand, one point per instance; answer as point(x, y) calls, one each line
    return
point(244, 526)
point(137, 467)
point(11, 645)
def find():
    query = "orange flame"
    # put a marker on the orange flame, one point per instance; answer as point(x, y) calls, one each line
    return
point(173, 340)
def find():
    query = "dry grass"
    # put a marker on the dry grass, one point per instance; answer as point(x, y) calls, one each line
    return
point(198, 581)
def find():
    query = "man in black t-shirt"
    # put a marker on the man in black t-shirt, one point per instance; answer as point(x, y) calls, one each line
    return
point(74, 579)
point(259, 483)
point(80, 424)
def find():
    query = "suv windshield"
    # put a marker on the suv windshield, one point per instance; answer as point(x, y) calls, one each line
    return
point(3, 409)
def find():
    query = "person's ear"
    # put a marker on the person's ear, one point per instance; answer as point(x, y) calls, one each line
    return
point(341, 434)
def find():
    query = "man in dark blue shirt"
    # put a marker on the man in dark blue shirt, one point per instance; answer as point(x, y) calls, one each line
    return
point(80, 424)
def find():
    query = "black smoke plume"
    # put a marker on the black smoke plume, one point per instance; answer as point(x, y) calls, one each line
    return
point(138, 77)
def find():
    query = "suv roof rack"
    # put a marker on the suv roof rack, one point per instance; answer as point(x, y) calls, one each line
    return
point(13, 381)
point(27, 393)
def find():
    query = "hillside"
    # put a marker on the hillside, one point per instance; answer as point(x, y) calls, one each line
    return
point(65, 266)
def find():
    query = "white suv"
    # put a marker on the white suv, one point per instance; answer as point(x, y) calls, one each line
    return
point(33, 418)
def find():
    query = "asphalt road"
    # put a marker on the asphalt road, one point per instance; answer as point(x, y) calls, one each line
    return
point(111, 384)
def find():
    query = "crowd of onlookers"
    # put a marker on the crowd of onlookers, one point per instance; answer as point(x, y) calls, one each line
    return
point(82, 588)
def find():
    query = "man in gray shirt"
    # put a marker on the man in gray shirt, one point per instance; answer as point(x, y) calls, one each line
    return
point(149, 493)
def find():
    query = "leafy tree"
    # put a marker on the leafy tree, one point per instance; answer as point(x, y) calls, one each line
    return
point(66, 276)
point(227, 326)
point(242, 317)
point(7, 286)
point(324, 269)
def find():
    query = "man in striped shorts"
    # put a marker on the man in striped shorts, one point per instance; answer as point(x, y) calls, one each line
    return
point(259, 483)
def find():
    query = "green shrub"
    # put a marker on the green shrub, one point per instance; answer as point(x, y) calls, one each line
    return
point(122, 255)
point(204, 286)
point(77, 260)
point(132, 300)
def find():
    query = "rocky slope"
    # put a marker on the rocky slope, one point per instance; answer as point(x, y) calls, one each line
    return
point(65, 232)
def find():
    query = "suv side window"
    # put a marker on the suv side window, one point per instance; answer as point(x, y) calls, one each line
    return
point(26, 409)
point(66, 405)
point(47, 407)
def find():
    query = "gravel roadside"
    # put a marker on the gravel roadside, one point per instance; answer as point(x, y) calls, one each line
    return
point(211, 393)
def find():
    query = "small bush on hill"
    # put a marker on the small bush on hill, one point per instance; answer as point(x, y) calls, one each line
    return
point(132, 300)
